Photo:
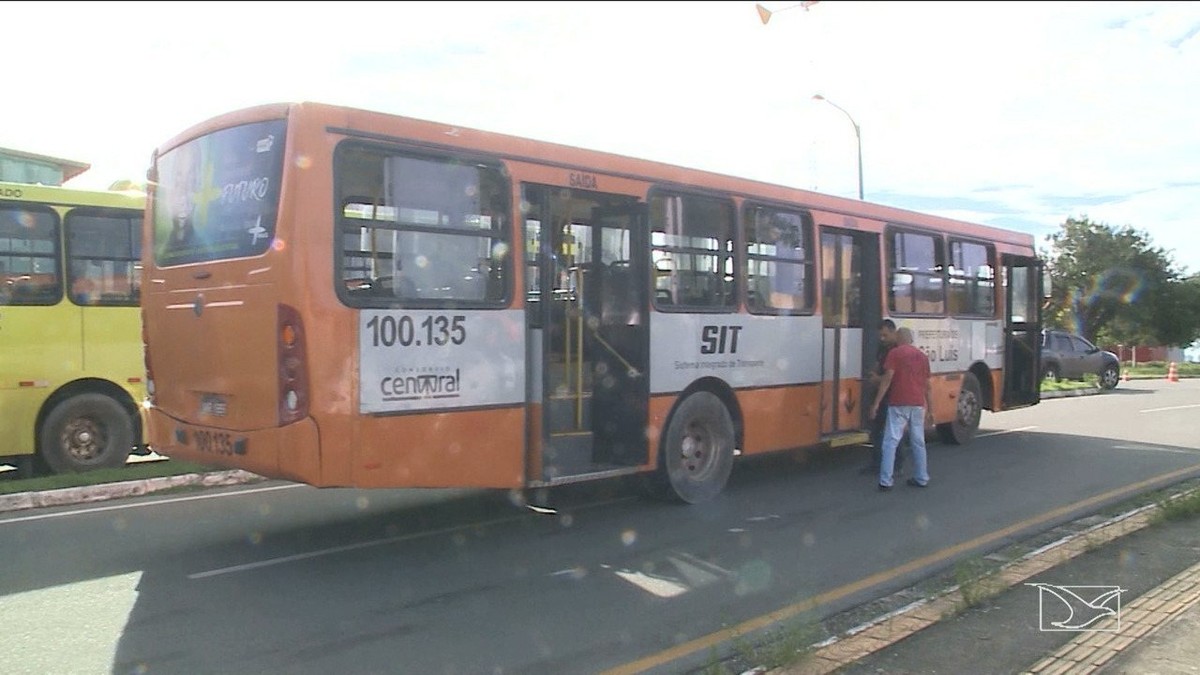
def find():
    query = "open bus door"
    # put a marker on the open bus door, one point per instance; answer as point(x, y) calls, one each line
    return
point(1022, 330)
point(851, 312)
point(590, 325)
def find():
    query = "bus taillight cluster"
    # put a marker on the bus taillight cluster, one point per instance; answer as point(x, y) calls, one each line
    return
point(293, 373)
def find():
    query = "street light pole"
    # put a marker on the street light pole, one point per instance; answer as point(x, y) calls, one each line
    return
point(857, 138)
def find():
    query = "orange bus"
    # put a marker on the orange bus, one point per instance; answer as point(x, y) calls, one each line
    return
point(350, 298)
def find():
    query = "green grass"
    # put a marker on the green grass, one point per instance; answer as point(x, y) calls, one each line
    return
point(976, 582)
point(1187, 506)
point(9, 484)
point(1158, 369)
point(1089, 382)
point(788, 644)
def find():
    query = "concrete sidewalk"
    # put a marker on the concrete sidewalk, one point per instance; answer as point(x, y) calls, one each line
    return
point(1009, 620)
point(87, 494)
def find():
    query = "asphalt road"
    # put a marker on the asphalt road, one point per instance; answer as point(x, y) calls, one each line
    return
point(283, 578)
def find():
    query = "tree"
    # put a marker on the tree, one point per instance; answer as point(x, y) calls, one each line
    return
point(1112, 285)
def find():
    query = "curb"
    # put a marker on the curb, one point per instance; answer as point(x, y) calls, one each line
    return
point(133, 488)
point(1067, 393)
point(856, 643)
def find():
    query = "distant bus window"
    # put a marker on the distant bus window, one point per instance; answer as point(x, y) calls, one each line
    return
point(972, 284)
point(428, 230)
point(916, 273)
point(103, 252)
point(779, 262)
point(691, 240)
point(29, 256)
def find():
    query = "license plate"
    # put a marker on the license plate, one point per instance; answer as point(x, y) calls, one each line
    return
point(219, 443)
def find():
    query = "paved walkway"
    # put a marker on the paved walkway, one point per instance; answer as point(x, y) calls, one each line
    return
point(1136, 634)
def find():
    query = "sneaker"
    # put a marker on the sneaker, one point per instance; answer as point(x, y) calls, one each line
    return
point(884, 488)
point(915, 483)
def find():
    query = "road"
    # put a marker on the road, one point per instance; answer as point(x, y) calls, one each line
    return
point(277, 577)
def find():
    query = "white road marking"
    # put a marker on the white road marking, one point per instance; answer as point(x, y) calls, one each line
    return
point(1006, 431)
point(348, 547)
point(1174, 407)
point(1154, 449)
point(657, 586)
point(270, 562)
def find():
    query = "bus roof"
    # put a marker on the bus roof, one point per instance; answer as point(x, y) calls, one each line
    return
point(440, 135)
point(60, 196)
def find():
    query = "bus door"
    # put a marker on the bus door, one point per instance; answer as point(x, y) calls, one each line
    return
point(849, 309)
point(588, 320)
point(1022, 330)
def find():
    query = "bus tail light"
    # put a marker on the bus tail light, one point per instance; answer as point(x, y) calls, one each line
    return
point(293, 369)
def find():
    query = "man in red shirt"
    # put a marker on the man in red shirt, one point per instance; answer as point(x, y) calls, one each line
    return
point(906, 387)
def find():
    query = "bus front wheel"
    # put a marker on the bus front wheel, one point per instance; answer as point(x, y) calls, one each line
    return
point(696, 457)
point(968, 411)
point(86, 432)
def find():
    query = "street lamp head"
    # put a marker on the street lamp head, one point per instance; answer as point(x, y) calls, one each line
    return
point(857, 137)
point(765, 14)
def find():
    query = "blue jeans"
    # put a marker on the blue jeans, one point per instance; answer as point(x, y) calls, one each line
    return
point(899, 419)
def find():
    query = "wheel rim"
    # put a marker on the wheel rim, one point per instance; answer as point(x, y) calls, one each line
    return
point(1109, 378)
point(968, 408)
point(699, 453)
point(83, 439)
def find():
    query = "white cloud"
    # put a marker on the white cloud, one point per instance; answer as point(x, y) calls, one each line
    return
point(1008, 112)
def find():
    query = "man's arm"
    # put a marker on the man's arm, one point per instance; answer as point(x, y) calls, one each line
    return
point(883, 388)
point(929, 400)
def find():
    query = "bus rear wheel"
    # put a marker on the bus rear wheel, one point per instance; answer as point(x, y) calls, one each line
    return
point(86, 432)
point(696, 457)
point(967, 413)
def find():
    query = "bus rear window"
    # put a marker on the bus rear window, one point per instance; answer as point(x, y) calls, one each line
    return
point(218, 195)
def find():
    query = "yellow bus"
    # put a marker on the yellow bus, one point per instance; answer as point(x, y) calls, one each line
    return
point(71, 363)
point(349, 298)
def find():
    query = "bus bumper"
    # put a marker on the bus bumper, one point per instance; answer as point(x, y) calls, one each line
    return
point(260, 451)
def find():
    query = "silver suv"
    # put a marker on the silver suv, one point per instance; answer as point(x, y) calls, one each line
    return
point(1066, 356)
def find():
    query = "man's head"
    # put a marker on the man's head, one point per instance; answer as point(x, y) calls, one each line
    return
point(887, 331)
point(904, 336)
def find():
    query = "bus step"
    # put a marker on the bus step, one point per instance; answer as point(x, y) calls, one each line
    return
point(568, 454)
point(568, 414)
point(844, 438)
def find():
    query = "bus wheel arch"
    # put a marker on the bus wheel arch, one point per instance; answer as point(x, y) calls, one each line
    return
point(85, 425)
point(983, 375)
point(968, 412)
point(696, 450)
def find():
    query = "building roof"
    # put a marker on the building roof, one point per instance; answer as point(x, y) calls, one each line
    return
point(70, 168)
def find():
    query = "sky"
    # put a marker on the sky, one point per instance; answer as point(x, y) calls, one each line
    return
point(1012, 114)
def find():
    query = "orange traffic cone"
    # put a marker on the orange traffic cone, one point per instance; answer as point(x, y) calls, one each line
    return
point(1172, 374)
